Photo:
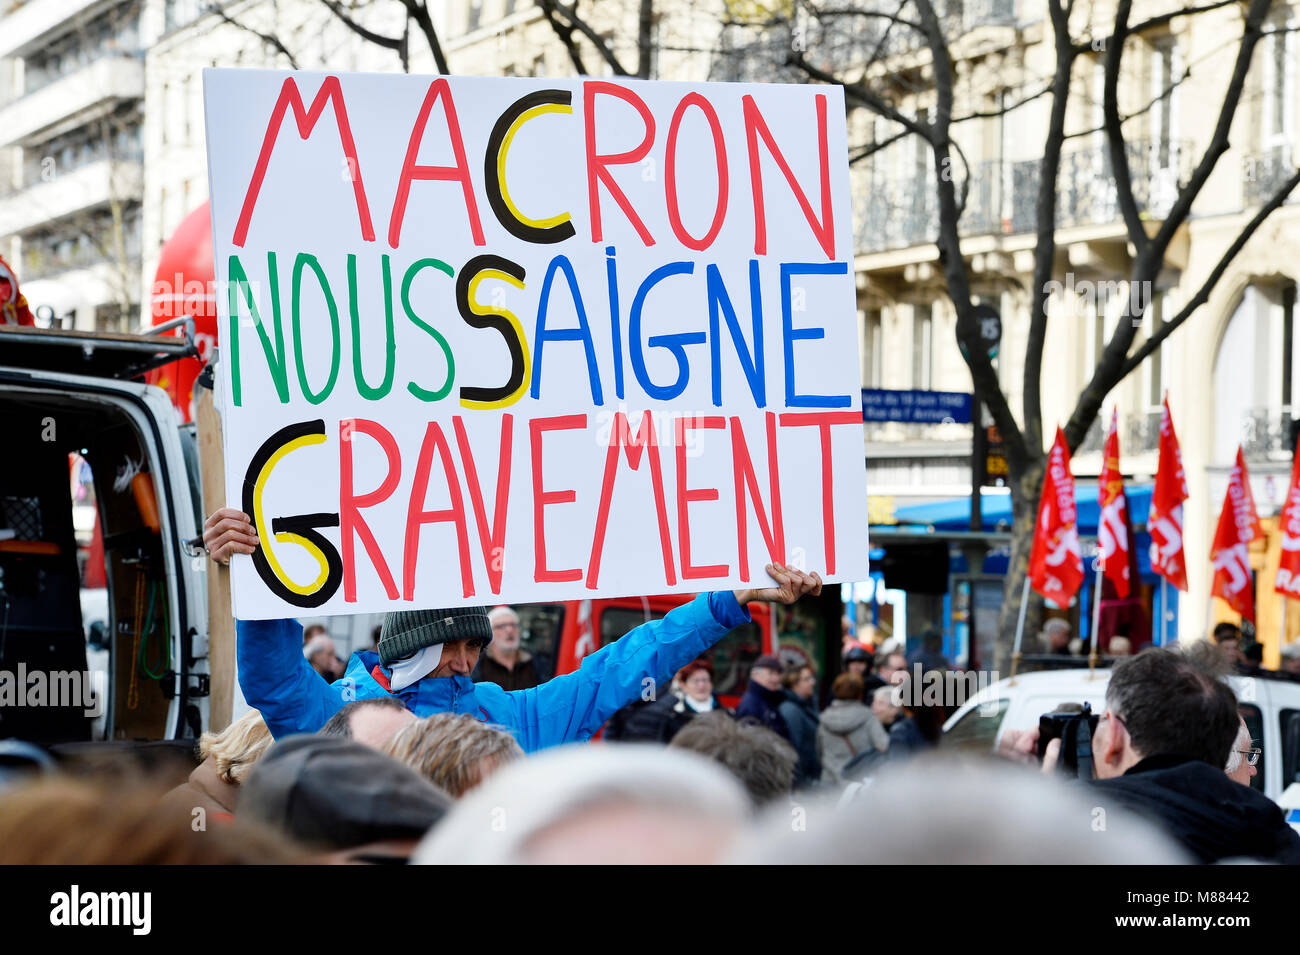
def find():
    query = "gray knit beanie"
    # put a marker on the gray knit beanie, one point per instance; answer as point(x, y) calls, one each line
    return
point(406, 631)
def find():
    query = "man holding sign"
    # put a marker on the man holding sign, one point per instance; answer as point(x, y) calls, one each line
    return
point(426, 657)
point(511, 340)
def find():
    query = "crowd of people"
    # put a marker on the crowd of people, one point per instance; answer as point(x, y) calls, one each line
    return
point(406, 758)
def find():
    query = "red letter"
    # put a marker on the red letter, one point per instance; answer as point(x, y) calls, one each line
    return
point(542, 498)
point(596, 163)
point(670, 173)
point(823, 420)
point(290, 97)
point(743, 466)
point(350, 504)
point(755, 126)
point(686, 495)
point(411, 170)
point(632, 447)
point(416, 515)
point(494, 543)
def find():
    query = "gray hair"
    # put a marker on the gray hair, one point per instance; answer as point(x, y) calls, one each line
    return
point(454, 751)
point(495, 823)
point(1242, 742)
point(1056, 624)
point(958, 813)
point(501, 613)
point(760, 759)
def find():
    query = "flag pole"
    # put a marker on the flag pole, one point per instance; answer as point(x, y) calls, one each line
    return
point(1164, 612)
point(1020, 626)
point(1096, 616)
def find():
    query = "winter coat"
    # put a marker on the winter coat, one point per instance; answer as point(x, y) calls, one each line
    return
point(654, 721)
point(293, 698)
point(906, 739)
point(761, 705)
point(1214, 817)
point(801, 717)
point(204, 790)
point(847, 728)
point(523, 676)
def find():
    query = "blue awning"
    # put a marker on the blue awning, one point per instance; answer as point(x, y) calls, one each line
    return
point(995, 510)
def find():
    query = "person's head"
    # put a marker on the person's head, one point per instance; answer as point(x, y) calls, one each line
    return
point(800, 680)
point(237, 747)
point(337, 794)
point(371, 722)
point(375, 634)
point(847, 686)
point(696, 680)
point(762, 761)
point(889, 662)
point(632, 804)
point(1253, 653)
point(1291, 658)
point(321, 654)
point(932, 640)
point(938, 812)
point(857, 661)
point(312, 631)
point(1119, 647)
point(1163, 702)
point(1228, 638)
point(882, 704)
point(459, 635)
point(454, 752)
point(506, 632)
point(1240, 766)
point(1057, 632)
point(766, 672)
point(61, 820)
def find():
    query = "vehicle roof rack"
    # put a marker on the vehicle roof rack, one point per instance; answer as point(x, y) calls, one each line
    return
point(100, 354)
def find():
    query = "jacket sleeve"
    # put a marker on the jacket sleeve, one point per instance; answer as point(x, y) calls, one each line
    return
point(574, 706)
point(279, 682)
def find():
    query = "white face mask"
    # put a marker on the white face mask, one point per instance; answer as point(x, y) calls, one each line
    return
point(415, 667)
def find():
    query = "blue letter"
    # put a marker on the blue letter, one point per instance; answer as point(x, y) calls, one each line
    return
point(750, 363)
point(791, 334)
point(673, 343)
point(580, 334)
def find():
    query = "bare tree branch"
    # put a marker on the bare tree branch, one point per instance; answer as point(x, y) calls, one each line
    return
point(397, 44)
point(270, 39)
point(1115, 129)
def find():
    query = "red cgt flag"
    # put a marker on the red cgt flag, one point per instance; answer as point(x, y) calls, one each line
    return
point(1288, 570)
point(1165, 519)
point(1230, 555)
point(1056, 562)
point(1112, 525)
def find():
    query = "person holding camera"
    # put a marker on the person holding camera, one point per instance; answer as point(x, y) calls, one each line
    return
point(1159, 749)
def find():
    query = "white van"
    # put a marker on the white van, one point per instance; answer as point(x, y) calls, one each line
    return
point(1271, 708)
point(80, 432)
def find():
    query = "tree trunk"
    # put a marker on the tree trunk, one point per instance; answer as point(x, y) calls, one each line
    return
point(1025, 489)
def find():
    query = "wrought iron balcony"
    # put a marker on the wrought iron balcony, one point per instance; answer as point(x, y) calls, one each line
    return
point(1262, 174)
point(896, 212)
point(1139, 431)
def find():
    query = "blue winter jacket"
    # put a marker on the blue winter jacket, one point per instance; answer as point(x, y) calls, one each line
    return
point(294, 698)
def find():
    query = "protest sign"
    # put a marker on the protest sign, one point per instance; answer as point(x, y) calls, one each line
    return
point(507, 340)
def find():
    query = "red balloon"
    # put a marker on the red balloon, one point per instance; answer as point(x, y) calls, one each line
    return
point(183, 285)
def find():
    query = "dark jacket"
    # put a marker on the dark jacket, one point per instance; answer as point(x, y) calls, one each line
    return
point(906, 739)
point(1212, 816)
point(761, 705)
point(654, 721)
point(802, 718)
point(522, 677)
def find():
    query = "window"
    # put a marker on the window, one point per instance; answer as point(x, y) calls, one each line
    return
point(1162, 96)
point(976, 731)
point(1255, 724)
point(922, 345)
point(1276, 92)
point(475, 15)
point(540, 626)
point(873, 348)
point(1289, 723)
point(1288, 343)
point(1155, 318)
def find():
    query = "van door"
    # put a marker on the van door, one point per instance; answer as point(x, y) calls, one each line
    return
point(93, 442)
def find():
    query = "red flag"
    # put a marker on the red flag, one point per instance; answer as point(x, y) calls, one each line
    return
point(1112, 523)
point(1288, 570)
point(1238, 526)
point(1165, 519)
point(13, 307)
point(1056, 562)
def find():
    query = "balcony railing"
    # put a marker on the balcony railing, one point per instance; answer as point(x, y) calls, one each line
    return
point(897, 212)
point(1262, 174)
point(1139, 431)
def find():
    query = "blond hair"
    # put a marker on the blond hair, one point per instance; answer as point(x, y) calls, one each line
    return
point(453, 751)
point(237, 747)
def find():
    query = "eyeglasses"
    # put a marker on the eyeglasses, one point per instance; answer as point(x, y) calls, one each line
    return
point(1252, 755)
